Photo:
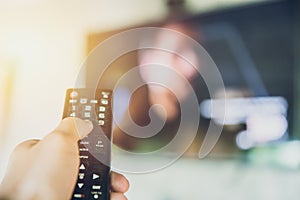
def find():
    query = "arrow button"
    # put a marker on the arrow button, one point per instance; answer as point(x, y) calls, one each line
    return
point(95, 176)
point(81, 175)
point(82, 166)
point(80, 185)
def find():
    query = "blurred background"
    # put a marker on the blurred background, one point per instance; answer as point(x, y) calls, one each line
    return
point(255, 45)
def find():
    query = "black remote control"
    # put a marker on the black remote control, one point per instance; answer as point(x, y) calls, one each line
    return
point(95, 149)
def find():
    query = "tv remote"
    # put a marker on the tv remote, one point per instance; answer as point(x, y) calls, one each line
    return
point(95, 150)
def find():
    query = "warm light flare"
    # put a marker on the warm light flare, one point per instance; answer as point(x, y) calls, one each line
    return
point(7, 72)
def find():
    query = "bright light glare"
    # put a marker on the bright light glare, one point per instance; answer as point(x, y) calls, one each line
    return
point(121, 98)
point(243, 141)
point(263, 128)
point(238, 109)
point(290, 155)
point(265, 117)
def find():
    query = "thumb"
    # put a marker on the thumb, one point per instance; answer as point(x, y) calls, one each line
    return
point(74, 128)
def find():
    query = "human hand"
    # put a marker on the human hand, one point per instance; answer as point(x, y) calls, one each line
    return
point(48, 168)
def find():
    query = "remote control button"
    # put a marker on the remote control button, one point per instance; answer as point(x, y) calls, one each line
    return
point(81, 176)
point(80, 196)
point(99, 145)
point(96, 195)
point(96, 187)
point(102, 109)
point(84, 142)
point(83, 149)
point(73, 94)
point(82, 167)
point(72, 101)
point(88, 108)
point(95, 176)
point(73, 108)
point(101, 122)
point(104, 101)
point(105, 95)
point(101, 115)
point(94, 101)
point(86, 114)
point(83, 157)
point(96, 192)
point(83, 100)
point(80, 185)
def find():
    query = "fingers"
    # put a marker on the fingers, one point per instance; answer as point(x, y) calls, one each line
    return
point(26, 145)
point(117, 196)
point(20, 153)
point(119, 183)
point(18, 165)
point(55, 162)
point(22, 149)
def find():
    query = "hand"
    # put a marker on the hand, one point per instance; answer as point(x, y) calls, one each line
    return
point(48, 168)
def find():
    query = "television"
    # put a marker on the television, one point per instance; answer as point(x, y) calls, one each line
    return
point(254, 47)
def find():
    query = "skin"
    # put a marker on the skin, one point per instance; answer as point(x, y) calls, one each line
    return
point(48, 168)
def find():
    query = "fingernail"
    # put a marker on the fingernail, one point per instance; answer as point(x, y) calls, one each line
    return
point(83, 127)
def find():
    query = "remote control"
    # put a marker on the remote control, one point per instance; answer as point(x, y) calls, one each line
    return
point(95, 149)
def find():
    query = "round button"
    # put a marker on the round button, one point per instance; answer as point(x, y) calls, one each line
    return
point(73, 94)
